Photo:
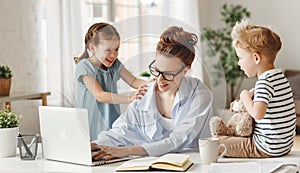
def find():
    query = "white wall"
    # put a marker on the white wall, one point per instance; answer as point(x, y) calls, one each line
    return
point(282, 16)
point(21, 49)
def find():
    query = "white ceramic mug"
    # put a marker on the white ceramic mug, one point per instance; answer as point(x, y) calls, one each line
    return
point(209, 150)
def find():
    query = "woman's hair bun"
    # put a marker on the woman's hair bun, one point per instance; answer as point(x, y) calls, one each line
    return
point(176, 35)
point(176, 42)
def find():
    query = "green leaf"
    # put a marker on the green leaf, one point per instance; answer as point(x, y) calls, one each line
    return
point(9, 119)
point(5, 72)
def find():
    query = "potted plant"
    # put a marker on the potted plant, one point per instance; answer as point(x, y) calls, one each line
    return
point(9, 127)
point(221, 43)
point(145, 75)
point(5, 80)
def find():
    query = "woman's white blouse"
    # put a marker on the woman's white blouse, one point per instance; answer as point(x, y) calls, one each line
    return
point(143, 125)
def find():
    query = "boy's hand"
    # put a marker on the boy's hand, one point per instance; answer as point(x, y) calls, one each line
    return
point(252, 90)
point(245, 94)
point(231, 105)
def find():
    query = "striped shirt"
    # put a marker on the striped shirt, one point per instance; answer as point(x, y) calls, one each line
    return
point(274, 134)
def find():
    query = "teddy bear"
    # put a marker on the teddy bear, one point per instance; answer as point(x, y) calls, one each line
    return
point(240, 124)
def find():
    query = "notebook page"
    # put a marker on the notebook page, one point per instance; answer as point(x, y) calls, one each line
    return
point(176, 159)
point(140, 162)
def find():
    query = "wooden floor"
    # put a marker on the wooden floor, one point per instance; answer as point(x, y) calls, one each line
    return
point(297, 143)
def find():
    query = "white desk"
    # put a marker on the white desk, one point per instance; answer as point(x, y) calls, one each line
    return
point(14, 164)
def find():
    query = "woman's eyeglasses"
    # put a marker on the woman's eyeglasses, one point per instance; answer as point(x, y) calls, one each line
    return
point(166, 75)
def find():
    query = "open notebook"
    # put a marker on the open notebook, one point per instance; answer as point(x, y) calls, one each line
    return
point(66, 137)
point(170, 162)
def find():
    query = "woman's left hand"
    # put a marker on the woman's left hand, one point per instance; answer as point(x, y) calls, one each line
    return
point(108, 152)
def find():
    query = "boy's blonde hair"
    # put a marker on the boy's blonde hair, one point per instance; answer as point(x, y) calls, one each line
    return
point(256, 39)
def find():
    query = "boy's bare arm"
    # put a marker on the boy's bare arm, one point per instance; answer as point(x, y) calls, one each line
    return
point(256, 109)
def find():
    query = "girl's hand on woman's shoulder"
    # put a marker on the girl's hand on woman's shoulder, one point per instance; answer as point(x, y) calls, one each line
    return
point(139, 93)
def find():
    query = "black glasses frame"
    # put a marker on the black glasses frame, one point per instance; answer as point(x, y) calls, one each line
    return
point(163, 73)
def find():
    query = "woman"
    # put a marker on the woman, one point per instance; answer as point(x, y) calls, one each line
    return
point(172, 115)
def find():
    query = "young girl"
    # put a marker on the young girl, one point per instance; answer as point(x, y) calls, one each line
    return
point(97, 77)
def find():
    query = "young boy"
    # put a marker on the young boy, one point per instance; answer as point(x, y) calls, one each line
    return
point(272, 106)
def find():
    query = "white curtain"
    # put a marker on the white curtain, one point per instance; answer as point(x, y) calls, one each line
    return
point(64, 40)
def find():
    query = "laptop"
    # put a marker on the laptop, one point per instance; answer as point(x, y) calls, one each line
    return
point(66, 137)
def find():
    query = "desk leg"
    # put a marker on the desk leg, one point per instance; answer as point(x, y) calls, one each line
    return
point(44, 99)
point(8, 106)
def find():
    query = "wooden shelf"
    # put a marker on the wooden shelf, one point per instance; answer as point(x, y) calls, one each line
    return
point(24, 96)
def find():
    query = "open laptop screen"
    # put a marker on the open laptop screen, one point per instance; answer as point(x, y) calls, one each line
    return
point(65, 134)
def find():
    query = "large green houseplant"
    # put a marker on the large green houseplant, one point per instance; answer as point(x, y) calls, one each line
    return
point(220, 43)
point(5, 80)
point(9, 127)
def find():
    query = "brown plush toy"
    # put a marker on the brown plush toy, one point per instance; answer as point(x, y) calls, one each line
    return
point(240, 124)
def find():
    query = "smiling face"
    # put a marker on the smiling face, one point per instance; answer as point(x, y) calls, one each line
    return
point(169, 65)
point(247, 62)
point(106, 52)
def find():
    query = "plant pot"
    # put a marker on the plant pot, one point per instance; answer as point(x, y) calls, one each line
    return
point(5, 85)
point(8, 141)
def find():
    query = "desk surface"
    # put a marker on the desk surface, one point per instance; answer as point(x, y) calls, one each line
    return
point(14, 164)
